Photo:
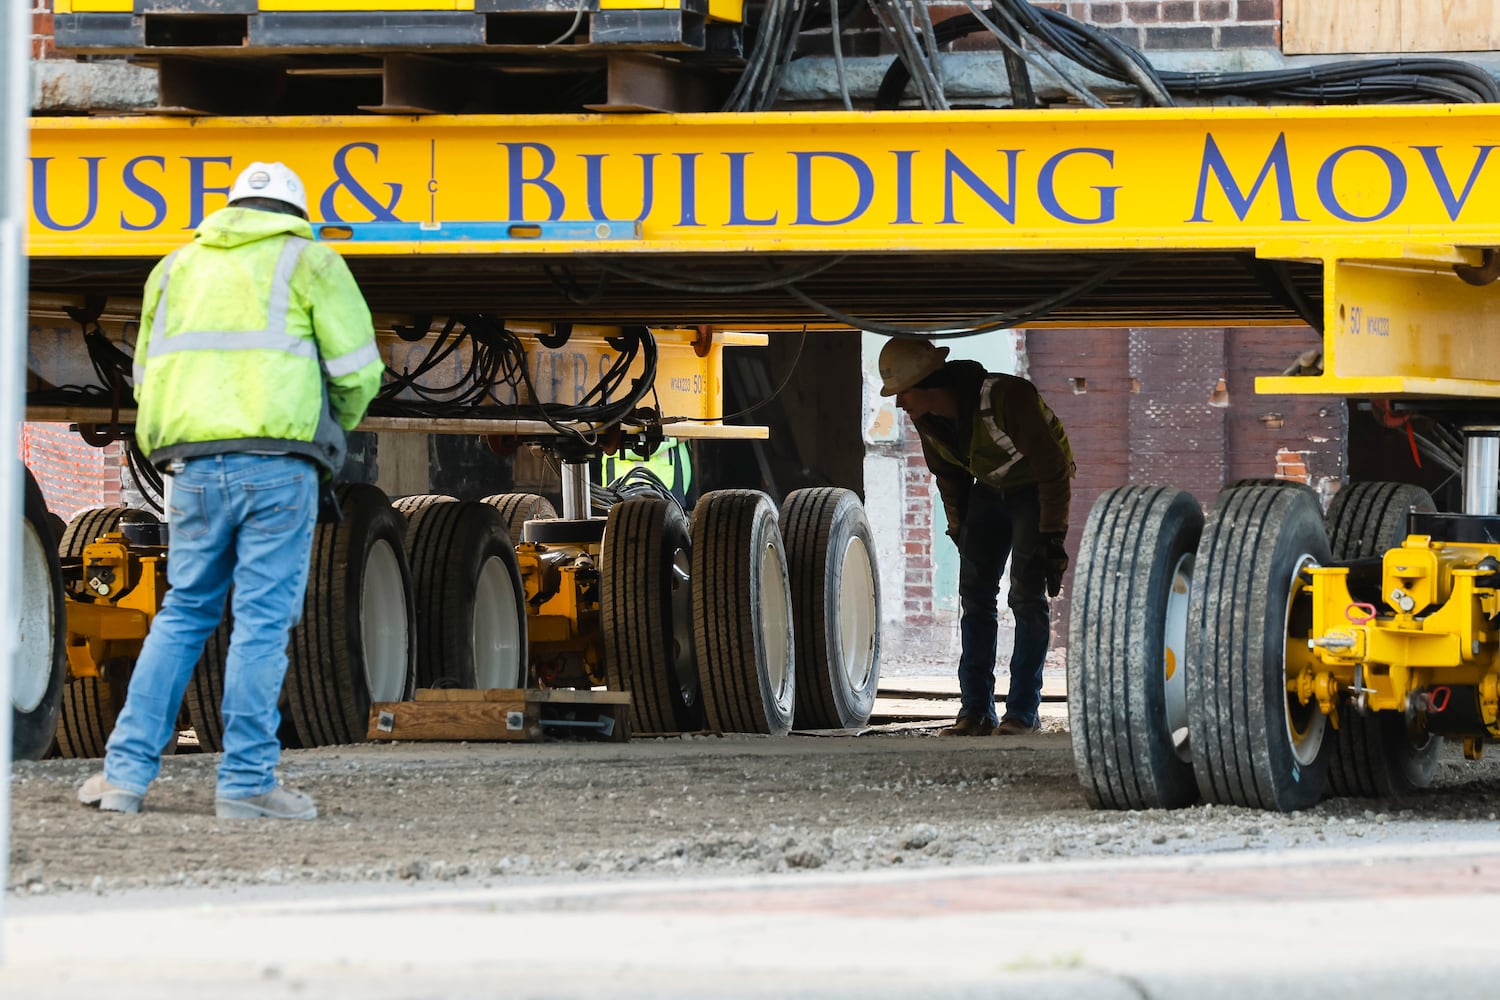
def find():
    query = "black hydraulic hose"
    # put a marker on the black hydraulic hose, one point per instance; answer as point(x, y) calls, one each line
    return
point(1394, 80)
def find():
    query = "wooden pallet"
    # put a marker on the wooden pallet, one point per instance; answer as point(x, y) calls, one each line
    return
point(509, 714)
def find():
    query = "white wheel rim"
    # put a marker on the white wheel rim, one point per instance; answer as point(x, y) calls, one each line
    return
point(497, 631)
point(1305, 739)
point(382, 622)
point(857, 615)
point(33, 663)
point(775, 621)
point(1174, 662)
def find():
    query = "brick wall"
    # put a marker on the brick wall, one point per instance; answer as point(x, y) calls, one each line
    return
point(73, 475)
point(1152, 412)
point(1162, 24)
point(922, 527)
point(41, 29)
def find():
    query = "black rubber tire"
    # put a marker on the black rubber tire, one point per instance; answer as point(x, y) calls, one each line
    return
point(203, 699)
point(1385, 754)
point(90, 705)
point(328, 684)
point(408, 506)
point(1240, 718)
point(41, 666)
point(836, 620)
point(518, 508)
point(470, 606)
point(1134, 575)
point(1271, 481)
point(646, 615)
point(742, 620)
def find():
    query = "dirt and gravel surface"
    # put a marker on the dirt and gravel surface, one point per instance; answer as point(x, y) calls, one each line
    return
point(691, 805)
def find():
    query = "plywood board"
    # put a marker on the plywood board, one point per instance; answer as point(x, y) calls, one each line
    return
point(1449, 26)
point(502, 714)
point(1360, 26)
point(1340, 26)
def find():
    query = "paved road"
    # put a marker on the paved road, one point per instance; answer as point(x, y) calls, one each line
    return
point(1388, 920)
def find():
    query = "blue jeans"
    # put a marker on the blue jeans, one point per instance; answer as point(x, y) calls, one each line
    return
point(241, 519)
point(997, 526)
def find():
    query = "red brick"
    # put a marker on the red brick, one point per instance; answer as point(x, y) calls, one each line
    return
point(1249, 36)
point(1258, 10)
point(1107, 13)
point(1213, 10)
point(1179, 11)
point(1144, 13)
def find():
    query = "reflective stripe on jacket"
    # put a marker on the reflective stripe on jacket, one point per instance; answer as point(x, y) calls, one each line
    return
point(1013, 440)
point(253, 339)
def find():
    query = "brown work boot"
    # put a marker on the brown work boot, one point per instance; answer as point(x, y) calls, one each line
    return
point(967, 726)
point(1010, 726)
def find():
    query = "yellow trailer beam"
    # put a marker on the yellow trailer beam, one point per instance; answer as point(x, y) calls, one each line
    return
point(1389, 201)
point(837, 182)
point(1404, 328)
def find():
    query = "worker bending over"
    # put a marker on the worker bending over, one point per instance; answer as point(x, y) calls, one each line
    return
point(1002, 464)
point(256, 354)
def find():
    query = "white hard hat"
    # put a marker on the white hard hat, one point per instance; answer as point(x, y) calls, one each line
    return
point(270, 180)
point(904, 363)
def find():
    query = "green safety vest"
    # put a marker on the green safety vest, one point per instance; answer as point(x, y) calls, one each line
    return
point(671, 462)
point(253, 338)
point(993, 457)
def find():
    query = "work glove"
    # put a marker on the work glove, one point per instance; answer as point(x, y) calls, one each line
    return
point(1055, 557)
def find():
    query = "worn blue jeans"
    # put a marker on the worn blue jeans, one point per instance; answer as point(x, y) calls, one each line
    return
point(241, 519)
point(997, 526)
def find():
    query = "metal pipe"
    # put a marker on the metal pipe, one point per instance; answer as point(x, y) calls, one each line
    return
point(15, 106)
point(575, 491)
point(1481, 469)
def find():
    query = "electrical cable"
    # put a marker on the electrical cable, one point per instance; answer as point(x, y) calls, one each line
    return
point(1376, 81)
point(638, 482)
point(836, 36)
point(577, 20)
point(497, 359)
point(1040, 62)
point(675, 285)
point(984, 324)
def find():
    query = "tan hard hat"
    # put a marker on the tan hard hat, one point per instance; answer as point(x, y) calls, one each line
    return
point(904, 363)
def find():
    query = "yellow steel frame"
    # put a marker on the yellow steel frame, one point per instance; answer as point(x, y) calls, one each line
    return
point(1389, 199)
point(1302, 183)
point(562, 619)
point(115, 623)
point(719, 10)
point(1433, 630)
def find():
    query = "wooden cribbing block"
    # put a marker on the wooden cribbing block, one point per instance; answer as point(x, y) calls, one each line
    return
point(502, 714)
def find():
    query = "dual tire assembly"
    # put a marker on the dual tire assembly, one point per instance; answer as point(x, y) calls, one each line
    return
point(742, 619)
point(1177, 652)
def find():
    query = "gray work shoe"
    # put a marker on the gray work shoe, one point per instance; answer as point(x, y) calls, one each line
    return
point(108, 798)
point(279, 803)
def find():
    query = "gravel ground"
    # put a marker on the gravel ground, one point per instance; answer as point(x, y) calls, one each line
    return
point(700, 805)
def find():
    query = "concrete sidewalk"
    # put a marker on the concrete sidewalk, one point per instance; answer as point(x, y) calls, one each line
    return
point(1384, 921)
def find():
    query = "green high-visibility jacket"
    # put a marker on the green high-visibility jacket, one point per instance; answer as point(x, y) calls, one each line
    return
point(1006, 438)
point(253, 339)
